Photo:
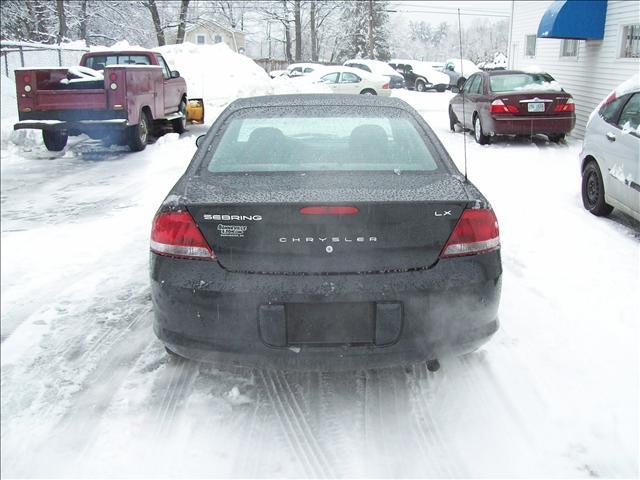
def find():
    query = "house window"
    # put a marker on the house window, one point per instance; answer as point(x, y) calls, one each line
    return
point(569, 48)
point(630, 41)
point(531, 46)
point(217, 39)
point(200, 39)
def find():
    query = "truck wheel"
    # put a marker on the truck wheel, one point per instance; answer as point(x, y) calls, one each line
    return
point(139, 134)
point(180, 124)
point(54, 141)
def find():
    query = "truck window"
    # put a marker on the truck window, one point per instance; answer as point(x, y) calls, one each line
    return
point(98, 62)
point(166, 73)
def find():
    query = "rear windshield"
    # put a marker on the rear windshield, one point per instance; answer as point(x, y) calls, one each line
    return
point(98, 62)
point(523, 81)
point(370, 140)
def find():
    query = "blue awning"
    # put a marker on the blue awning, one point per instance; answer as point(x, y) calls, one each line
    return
point(575, 19)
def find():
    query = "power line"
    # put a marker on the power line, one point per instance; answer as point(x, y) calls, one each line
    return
point(450, 9)
point(454, 13)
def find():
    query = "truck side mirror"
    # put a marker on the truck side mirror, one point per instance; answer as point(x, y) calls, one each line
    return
point(175, 73)
point(199, 140)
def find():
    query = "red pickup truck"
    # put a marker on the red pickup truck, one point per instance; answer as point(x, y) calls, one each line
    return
point(117, 96)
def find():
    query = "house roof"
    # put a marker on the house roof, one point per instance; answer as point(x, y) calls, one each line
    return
point(207, 23)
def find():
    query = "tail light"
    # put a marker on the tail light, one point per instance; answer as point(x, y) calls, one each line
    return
point(113, 77)
point(175, 234)
point(385, 86)
point(27, 81)
point(568, 106)
point(498, 106)
point(476, 232)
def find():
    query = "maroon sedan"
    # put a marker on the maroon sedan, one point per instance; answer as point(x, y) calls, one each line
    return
point(512, 102)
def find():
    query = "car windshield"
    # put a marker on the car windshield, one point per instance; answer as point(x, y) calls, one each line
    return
point(523, 81)
point(292, 140)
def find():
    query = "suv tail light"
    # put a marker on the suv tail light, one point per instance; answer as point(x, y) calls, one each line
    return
point(476, 232)
point(175, 234)
point(498, 106)
point(385, 86)
point(568, 106)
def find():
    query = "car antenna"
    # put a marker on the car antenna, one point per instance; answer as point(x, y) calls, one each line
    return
point(464, 132)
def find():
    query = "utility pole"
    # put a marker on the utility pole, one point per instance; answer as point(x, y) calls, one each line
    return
point(371, 29)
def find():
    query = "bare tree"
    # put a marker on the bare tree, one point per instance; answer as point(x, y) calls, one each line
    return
point(298, 29)
point(62, 21)
point(83, 22)
point(184, 7)
point(155, 17)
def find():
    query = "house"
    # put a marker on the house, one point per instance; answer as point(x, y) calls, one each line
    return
point(590, 47)
point(207, 32)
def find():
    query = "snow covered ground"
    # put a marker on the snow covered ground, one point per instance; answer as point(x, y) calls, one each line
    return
point(87, 390)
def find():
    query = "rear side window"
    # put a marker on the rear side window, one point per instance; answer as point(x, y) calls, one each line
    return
point(98, 62)
point(629, 120)
point(610, 109)
point(523, 81)
point(307, 143)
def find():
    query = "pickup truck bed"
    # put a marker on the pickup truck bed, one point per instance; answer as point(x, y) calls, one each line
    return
point(119, 104)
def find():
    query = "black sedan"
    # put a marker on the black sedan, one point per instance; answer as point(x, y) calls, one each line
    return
point(323, 231)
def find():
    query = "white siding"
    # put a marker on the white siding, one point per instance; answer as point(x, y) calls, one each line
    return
point(595, 71)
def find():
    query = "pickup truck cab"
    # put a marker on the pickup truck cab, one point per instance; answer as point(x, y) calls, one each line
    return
point(117, 96)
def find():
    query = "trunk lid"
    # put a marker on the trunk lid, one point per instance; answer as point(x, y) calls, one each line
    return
point(282, 239)
point(542, 102)
point(385, 229)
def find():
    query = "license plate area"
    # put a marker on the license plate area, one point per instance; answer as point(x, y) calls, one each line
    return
point(535, 107)
point(348, 323)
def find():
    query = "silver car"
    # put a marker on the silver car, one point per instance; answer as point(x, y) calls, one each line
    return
point(610, 157)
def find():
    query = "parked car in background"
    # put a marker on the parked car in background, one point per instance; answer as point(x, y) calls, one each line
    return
point(347, 80)
point(459, 70)
point(420, 76)
point(378, 68)
point(610, 157)
point(301, 69)
point(512, 102)
point(292, 241)
point(277, 73)
point(116, 96)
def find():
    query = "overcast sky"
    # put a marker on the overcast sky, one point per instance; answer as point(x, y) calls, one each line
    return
point(446, 11)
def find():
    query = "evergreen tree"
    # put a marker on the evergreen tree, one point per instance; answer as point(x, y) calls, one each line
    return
point(355, 24)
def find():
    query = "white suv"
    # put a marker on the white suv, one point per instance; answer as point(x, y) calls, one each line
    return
point(610, 157)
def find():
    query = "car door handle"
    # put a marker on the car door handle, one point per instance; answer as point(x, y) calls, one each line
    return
point(611, 137)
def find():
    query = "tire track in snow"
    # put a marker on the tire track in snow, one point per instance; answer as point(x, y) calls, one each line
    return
point(440, 459)
point(182, 375)
point(299, 434)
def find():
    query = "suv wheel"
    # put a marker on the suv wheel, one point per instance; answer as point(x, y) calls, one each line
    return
point(593, 190)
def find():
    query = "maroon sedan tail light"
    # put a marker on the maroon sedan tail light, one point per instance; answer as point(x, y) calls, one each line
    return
point(569, 106)
point(175, 234)
point(498, 106)
point(476, 232)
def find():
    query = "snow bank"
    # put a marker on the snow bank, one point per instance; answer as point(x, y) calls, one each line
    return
point(216, 73)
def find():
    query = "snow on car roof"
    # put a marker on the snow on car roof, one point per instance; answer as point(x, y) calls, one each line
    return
point(319, 100)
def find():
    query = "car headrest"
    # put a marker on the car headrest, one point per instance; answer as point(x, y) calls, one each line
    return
point(369, 141)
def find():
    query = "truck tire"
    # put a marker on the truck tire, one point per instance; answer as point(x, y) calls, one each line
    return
point(139, 134)
point(180, 124)
point(54, 141)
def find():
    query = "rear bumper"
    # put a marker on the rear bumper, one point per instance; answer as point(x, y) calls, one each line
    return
point(206, 313)
point(73, 121)
point(79, 126)
point(511, 125)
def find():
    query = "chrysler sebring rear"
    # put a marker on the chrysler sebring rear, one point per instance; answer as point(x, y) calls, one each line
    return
point(323, 231)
